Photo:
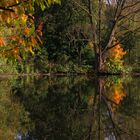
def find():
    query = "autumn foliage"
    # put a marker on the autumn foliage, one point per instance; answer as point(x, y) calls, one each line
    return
point(118, 94)
point(2, 41)
point(117, 52)
point(115, 92)
point(20, 36)
point(114, 60)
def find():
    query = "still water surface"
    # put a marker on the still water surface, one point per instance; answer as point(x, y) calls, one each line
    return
point(69, 108)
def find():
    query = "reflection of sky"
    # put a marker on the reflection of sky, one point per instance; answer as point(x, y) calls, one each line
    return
point(110, 137)
point(18, 136)
point(110, 1)
point(21, 136)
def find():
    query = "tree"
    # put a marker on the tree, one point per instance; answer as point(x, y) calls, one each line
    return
point(108, 20)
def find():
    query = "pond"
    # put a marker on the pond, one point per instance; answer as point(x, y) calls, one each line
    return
point(69, 108)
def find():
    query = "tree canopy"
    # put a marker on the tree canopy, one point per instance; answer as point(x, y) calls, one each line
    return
point(75, 33)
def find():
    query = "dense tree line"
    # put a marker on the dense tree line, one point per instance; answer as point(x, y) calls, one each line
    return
point(74, 36)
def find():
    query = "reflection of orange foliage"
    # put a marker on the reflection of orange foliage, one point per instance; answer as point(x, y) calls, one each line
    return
point(115, 93)
point(118, 96)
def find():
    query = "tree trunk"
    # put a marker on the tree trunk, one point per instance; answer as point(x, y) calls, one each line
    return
point(99, 64)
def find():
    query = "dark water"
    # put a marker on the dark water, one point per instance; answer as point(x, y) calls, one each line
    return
point(69, 108)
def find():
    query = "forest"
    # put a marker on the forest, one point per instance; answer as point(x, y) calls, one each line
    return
point(69, 69)
point(69, 36)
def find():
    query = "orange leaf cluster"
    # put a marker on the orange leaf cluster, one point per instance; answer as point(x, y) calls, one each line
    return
point(115, 93)
point(2, 41)
point(14, 38)
point(118, 96)
point(117, 52)
point(18, 40)
point(26, 31)
point(22, 36)
point(33, 40)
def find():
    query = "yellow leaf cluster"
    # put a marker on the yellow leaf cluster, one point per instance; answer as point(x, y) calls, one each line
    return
point(24, 18)
point(30, 48)
point(90, 44)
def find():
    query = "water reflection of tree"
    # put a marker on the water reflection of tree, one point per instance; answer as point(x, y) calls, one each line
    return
point(13, 117)
point(110, 112)
point(77, 108)
point(55, 105)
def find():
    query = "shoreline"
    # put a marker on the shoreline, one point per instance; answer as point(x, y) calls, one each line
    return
point(69, 74)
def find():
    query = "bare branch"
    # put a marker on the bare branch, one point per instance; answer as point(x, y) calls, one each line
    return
point(9, 8)
point(120, 5)
point(6, 9)
point(80, 6)
point(129, 14)
point(132, 5)
point(93, 26)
